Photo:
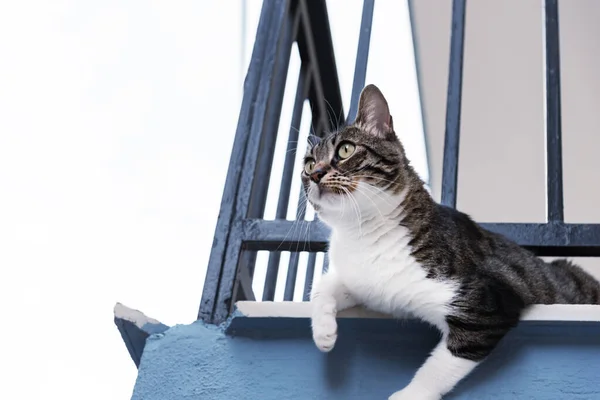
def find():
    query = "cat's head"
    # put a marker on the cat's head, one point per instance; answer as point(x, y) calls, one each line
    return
point(358, 170)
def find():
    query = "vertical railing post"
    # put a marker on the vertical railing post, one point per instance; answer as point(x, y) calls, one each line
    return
point(453, 105)
point(554, 187)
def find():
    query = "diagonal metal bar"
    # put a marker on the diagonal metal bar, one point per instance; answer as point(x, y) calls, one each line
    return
point(316, 48)
point(453, 105)
point(227, 210)
point(287, 178)
point(259, 104)
point(362, 57)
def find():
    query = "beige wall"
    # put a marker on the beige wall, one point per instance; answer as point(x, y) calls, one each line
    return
point(501, 166)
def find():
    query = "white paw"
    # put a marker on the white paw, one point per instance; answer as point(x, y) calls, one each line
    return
point(413, 393)
point(324, 330)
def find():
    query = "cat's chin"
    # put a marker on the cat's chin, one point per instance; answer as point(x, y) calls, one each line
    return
point(326, 199)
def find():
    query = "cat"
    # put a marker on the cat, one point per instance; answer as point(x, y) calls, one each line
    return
point(394, 250)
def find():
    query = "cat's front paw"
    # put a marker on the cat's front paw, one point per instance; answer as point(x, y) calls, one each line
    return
point(324, 330)
point(414, 393)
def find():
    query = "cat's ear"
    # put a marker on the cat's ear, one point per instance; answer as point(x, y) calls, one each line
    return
point(373, 112)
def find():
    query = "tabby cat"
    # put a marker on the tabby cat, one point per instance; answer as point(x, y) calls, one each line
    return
point(396, 251)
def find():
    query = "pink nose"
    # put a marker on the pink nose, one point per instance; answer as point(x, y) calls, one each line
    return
point(318, 174)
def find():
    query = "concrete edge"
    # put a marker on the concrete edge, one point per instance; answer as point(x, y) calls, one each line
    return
point(538, 312)
point(135, 327)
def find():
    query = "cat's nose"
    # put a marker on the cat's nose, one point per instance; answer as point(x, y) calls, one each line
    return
point(318, 174)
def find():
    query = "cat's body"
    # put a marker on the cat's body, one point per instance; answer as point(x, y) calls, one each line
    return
point(396, 251)
point(400, 284)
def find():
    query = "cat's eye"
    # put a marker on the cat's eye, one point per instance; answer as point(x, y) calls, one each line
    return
point(309, 166)
point(345, 150)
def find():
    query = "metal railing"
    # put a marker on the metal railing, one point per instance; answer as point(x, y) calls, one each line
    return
point(241, 230)
point(555, 237)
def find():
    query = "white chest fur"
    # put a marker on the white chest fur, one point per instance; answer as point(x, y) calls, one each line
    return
point(380, 273)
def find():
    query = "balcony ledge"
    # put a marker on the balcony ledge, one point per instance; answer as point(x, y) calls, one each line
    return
point(265, 351)
point(540, 312)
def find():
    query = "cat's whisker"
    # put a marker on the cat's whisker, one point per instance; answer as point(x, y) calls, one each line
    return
point(358, 189)
point(343, 206)
point(329, 106)
point(338, 117)
point(302, 217)
point(307, 240)
point(359, 213)
point(379, 179)
point(380, 196)
point(356, 209)
point(286, 235)
point(294, 226)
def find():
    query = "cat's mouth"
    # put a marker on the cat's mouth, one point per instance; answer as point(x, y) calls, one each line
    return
point(333, 190)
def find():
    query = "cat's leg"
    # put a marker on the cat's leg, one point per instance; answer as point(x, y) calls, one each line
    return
point(466, 345)
point(327, 298)
point(437, 376)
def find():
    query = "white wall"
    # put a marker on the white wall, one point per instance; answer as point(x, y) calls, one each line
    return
point(116, 125)
point(502, 153)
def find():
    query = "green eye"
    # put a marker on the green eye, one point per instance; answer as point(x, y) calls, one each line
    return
point(346, 150)
point(309, 167)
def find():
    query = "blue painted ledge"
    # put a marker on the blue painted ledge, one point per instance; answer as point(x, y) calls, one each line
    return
point(265, 352)
point(135, 328)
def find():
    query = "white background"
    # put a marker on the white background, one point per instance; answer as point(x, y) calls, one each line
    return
point(116, 125)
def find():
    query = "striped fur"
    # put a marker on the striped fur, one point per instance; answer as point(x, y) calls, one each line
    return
point(395, 250)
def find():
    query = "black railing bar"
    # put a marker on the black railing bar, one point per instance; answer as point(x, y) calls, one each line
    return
point(319, 109)
point(247, 261)
point(292, 146)
point(226, 219)
point(321, 129)
point(271, 276)
point(362, 57)
point(287, 177)
point(302, 227)
point(317, 98)
point(310, 274)
point(309, 53)
point(268, 141)
point(325, 263)
point(297, 19)
point(312, 56)
point(453, 105)
point(283, 235)
point(292, 274)
point(271, 235)
point(270, 125)
point(243, 284)
point(275, 63)
point(283, 200)
point(554, 176)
